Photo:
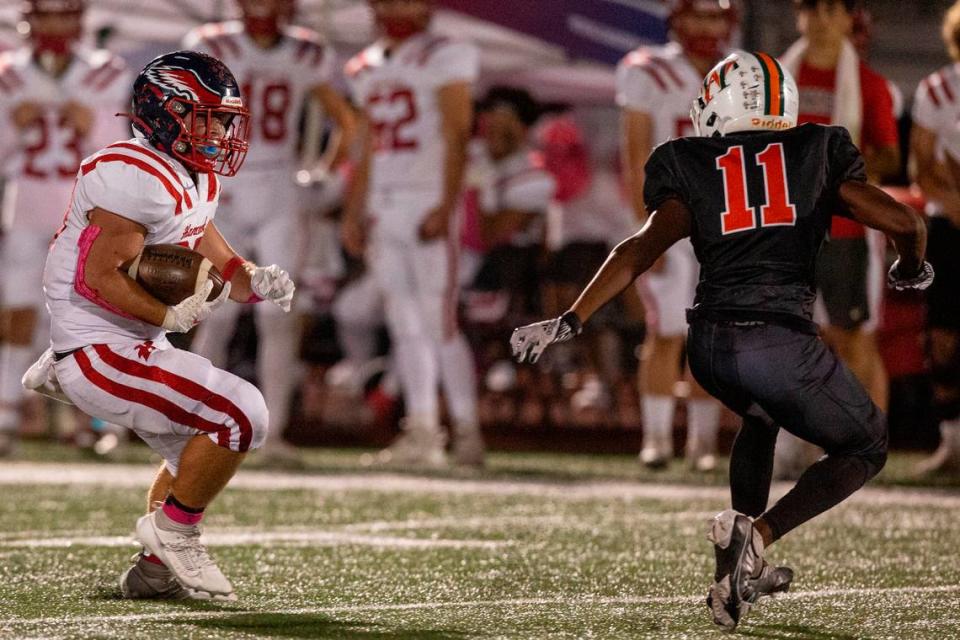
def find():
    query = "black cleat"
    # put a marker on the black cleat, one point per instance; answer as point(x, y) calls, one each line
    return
point(742, 576)
point(770, 581)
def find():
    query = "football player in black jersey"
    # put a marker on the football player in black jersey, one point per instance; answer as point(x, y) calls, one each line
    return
point(755, 194)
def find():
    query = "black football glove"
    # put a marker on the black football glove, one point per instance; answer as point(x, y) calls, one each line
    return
point(918, 282)
point(528, 343)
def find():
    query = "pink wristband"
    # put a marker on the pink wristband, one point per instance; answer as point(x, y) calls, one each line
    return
point(231, 268)
point(253, 299)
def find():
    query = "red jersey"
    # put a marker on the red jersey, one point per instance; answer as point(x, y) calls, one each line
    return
point(817, 95)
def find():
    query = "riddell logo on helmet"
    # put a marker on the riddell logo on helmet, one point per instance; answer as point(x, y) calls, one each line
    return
point(232, 101)
point(769, 123)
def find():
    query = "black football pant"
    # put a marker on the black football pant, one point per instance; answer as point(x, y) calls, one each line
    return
point(774, 376)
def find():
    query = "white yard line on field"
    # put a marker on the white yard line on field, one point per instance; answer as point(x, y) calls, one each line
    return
point(336, 535)
point(285, 538)
point(172, 615)
point(532, 520)
point(139, 476)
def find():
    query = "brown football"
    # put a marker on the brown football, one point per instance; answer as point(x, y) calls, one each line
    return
point(172, 273)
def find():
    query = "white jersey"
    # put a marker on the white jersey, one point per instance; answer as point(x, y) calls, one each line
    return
point(275, 84)
point(936, 107)
point(661, 82)
point(133, 180)
point(518, 182)
point(41, 162)
point(399, 92)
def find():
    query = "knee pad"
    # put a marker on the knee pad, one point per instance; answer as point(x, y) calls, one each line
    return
point(360, 303)
point(259, 416)
point(867, 439)
point(873, 450)
point(249, 418)
point(438, 323)
point(875, 462)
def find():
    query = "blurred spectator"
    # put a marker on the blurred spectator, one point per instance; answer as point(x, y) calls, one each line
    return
point(280, 67)
point(511, 202)
point(655, 87)
point(506, 202)
point(58, 102)
point(861, 36)
point(590, 212)
point(580, 149)
point(935, 154)
point(837, 87)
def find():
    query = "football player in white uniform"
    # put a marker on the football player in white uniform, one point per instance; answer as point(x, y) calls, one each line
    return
point(415, 90)
point(57, 102)
point(280, 67)
point(655, 87)
point(109, 352)
point(934, 150)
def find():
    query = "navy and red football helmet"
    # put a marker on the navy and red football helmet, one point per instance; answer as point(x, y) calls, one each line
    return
point(704, 44)
point(57, 39)
point(189, 106)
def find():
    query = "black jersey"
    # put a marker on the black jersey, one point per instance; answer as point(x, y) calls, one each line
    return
point(761, 204)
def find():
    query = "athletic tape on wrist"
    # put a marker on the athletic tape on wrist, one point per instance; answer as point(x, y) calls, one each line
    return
point(231, 267)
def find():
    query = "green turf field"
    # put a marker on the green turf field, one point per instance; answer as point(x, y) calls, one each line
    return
point(538, 546)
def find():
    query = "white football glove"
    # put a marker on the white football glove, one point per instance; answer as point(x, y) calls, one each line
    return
point(528, 343)
point(274, 285)
point(192, 311)
point(919, 282)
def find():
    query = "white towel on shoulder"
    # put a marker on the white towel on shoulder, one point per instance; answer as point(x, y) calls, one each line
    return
point(848, 100)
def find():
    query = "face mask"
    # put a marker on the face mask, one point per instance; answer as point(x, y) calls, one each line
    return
point(58, 45)
point(401, 29)
point(709, 47)
point(262, 26)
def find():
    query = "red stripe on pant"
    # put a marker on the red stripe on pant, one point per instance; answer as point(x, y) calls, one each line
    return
point(151, 400)
point(183, 386)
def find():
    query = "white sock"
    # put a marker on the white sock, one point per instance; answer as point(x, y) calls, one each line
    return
point(9, 420)
point(703, 422)
point(657, 413)
point(277, 367)
point(14, 362)
point(416, 364)
point(950, 433)
point(459, 377)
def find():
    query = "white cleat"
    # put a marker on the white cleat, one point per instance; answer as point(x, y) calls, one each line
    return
point(653, 458)
point(180, 549)
point(701, 454)
point(946, 459)
point(468, 447)
point(705, 463)
point(418, 445)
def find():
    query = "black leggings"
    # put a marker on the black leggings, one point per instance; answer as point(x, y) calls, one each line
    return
point(773, 377)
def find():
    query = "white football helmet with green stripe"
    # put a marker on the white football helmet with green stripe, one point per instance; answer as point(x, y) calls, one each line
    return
point(746, 92)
